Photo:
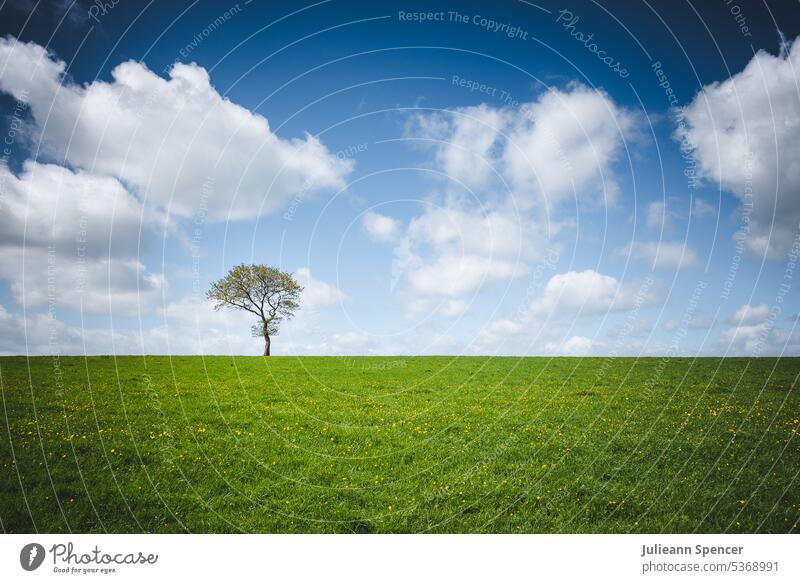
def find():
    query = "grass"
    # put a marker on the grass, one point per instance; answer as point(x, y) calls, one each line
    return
point(427, 444)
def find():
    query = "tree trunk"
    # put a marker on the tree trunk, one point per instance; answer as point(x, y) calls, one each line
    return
point(266, 345)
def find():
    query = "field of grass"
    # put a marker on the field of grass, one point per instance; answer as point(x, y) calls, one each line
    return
point(429, 444)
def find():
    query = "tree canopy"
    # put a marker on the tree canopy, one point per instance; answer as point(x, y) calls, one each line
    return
point(267, 292)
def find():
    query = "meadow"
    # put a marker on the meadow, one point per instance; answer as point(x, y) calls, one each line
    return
point(394, 444)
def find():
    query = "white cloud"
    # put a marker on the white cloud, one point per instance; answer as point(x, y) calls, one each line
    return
point(746, 339)
point(139, 144)
point(122, 287)
point(453, 250)
point(656, 215)
point(454, 308)
point(464, 139)
point(176, 142)
point(744, 134)
point(661, 214)
point(754, 332)
point(517, 335)
point(188, 325)
point(559, 320)
point(350, 341)
point(584, 293)
point(747, 314)
point(504, 328)
point(701, 209)
point(564, 144)
point(198, 311)
point(507, 336)
point(671, 325)
point(457, 275)
point(192, 328)
point(380, 227)
point(663, 255)
point(191, 325)
point(39, 337)
point(73, 239)
point(492, 232)
point(573, 346)
point(317, 293)
point(418, 308)
point(50, 205)
point(632, 327)
point(754, 340)
point(693, 324)
point(415, 309)
point(535, 156)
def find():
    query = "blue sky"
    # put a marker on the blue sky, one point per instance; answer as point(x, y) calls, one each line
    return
point(444, 178)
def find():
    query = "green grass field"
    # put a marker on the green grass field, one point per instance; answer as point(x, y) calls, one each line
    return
point(432, 444)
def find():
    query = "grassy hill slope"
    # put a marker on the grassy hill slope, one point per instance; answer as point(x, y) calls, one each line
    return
point(394, 444)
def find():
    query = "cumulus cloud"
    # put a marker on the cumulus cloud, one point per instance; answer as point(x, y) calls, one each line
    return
point(693, 324)
point(504, 335)
point(133, 148)
point(503, 328)
point(464, 140)
point(457, 275)
point(122, 287)
point(531, 338)
point(73, 239)
point(380, 227)
point(663, 254)
point(454, 308)
point(317, 293)
point(702, 209)
point(585, 293)
point(754, 339)
point(568, 301)
point(455, 250)
point(661, 214)
point(530, 159)
point(754, 332)
point(50, 205)
point(573, 346)
point(656, 215)
point(744, 133)
point(562, 145)
point(192, 327)
point(747, 315)
point(36, 337)
point(169, 140)
point(187, 325)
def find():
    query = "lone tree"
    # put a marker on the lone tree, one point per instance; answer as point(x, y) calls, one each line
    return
point(267, 292)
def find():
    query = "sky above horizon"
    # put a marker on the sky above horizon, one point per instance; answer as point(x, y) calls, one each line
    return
point(574, 178)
